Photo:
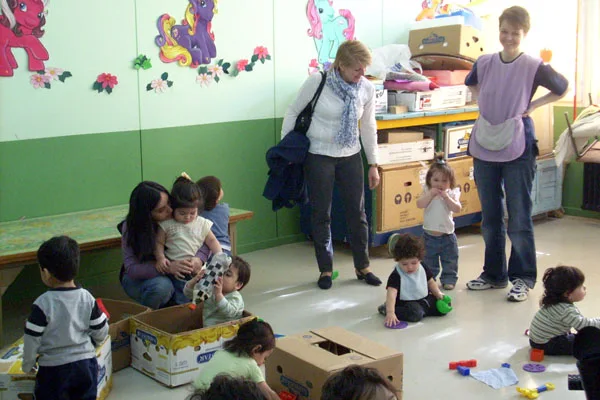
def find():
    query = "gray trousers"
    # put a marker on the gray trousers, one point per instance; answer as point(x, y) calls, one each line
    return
point(321, 173)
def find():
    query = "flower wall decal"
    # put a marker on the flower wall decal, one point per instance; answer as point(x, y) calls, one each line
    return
point(161, 84)
point(215, 72)
point(45, 77)
point(105, 82)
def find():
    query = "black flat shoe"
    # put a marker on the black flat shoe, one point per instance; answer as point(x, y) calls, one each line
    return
point(370, 278)
point(325, 282)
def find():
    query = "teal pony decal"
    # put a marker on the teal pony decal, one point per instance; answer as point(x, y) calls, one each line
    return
point(327, 29)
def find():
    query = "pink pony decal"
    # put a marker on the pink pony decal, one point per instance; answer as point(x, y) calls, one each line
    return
point(21, 25)
point(192, 43)
point(328, 30)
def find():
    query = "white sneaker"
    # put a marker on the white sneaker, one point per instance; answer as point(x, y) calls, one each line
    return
point(481, 284)
point(519, 291)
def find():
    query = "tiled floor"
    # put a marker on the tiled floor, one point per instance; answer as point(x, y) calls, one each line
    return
point(483, 325)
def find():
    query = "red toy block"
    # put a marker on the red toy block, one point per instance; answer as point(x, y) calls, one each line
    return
point(453, 365)
point(469, 363)
point(192, 306)
point(536, 355)
point(283, 395)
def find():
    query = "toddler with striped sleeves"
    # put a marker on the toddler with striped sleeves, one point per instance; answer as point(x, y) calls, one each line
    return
point(551, 327)
point(64, 325)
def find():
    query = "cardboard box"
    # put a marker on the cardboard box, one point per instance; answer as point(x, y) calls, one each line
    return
point(397, 109)
point(444, 97)
point(456, 140)
point(401, 185)
point(119, 330)
point(469, 198)
point(453, 40)
point(16, 385)
point(171, 346)
point(448, 78)
point(300, 364)
point(398, 136)
point(395, 153)
point(381, 100)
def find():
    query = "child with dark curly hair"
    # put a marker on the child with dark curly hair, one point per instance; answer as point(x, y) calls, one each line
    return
point(356, 382)
point(412, 293)
point(551, 326)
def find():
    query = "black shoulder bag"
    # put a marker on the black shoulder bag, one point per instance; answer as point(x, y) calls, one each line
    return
point(305, 117)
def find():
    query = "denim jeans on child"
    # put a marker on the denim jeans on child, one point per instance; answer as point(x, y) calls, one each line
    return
point(442, 249)
point(516, 177)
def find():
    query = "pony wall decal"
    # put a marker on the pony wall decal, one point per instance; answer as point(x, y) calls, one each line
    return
point(21, 25)
point(328, 30)
point(192, 43)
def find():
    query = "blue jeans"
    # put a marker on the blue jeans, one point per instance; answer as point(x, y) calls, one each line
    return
point(154, 293)
point(442, 249)
point(517, 179)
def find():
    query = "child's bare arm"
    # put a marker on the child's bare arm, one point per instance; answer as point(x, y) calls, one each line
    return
point(162, 264)
point(452, 203)
point(212, 243)
point(434, 289)
point(267, 391)
point(390, 306)
point(426, 198)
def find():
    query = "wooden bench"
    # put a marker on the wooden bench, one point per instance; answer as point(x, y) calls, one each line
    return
point(93, 230)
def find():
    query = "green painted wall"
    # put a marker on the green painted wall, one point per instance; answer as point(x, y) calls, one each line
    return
point(573, 179)
point(106, 167)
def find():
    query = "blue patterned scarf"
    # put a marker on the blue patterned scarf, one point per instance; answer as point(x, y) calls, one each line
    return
point(348, 92)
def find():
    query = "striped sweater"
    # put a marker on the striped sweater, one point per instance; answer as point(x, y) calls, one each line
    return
point(63, 325)
point(556, 320)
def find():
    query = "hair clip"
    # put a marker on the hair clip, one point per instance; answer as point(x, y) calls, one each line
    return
point(440, 161)
point(186, 176)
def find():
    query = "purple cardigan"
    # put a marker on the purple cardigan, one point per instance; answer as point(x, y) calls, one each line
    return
point(134, 268)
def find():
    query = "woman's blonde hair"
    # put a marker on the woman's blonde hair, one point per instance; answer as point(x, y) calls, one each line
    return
point(351, 52)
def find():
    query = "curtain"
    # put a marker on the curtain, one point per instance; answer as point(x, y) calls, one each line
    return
point(588, 52)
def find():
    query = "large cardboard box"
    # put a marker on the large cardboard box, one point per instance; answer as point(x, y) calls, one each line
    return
point(401, 185)
point(171, 346)
point(301, 363)
point(394, 153)
point(444, 97)
point(469, 198)
point(398, 136)
point(16, 385)
point(456, 140)
point(119, 330)
point(453, 40)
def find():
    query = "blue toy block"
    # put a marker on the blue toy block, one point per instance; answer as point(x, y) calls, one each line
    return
point(506, 365)
point(464, 371)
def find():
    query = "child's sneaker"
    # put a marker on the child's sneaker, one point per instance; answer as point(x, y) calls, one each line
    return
point(519, 291)
point(481, 284)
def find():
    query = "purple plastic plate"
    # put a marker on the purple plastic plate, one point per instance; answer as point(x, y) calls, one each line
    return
point(399, 325)
point(534, 368)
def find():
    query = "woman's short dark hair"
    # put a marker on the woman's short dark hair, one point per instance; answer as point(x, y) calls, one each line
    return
point(186, 194)
point(253, 336)
point(225, 387)
point(211, 189)
point(356, 383)
point(141, 228)
point(409, 246)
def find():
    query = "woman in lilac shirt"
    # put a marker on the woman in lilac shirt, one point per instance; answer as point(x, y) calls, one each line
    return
point(148, 205)
point(504, 151)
